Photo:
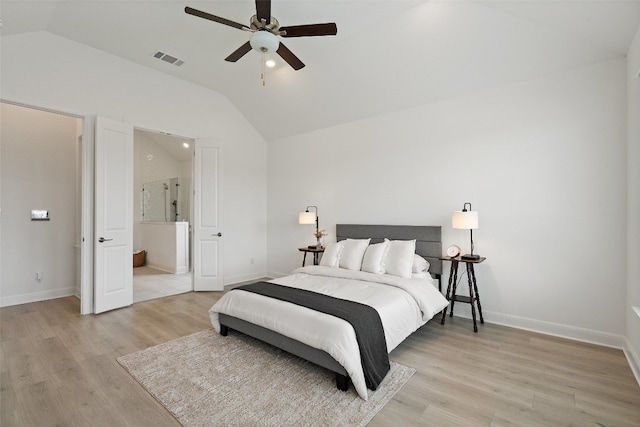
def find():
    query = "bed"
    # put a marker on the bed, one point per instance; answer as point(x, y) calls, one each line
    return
point(403, 304)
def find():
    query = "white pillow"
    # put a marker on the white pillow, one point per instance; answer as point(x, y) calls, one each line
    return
point(419, 264)
point(331, 255)
point(374, 257)
point(352, 254)
point(399, 260)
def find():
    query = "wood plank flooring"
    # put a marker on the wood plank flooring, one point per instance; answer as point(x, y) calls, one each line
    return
point(59, 368)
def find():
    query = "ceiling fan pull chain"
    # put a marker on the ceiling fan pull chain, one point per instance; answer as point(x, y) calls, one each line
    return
point(262, 74)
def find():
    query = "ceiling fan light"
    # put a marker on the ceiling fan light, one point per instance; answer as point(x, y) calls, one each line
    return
point(264, 41)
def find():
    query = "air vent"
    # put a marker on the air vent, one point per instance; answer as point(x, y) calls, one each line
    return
point(168, 58)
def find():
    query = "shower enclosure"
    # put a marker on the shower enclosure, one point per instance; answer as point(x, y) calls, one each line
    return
point(165, 200)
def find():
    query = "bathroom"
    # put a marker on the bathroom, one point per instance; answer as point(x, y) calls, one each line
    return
point(162, 211)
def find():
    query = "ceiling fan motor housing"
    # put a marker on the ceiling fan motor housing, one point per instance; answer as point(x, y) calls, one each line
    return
point(264, 41)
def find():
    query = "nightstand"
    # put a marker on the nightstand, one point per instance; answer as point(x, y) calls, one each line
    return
point(474, 296)
point(316, 254)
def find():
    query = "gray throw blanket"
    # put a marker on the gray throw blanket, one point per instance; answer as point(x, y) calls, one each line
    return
point(364, 319)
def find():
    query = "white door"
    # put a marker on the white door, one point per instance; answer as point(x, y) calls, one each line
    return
point(113, 215)
point(207, 228)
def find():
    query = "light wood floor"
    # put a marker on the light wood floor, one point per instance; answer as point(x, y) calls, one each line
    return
point(59, 368)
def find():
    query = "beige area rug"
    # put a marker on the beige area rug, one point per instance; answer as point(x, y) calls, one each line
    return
point(205, 379)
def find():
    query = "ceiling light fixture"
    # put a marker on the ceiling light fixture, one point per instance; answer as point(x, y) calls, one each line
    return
point(264, 41)
point(270, 63)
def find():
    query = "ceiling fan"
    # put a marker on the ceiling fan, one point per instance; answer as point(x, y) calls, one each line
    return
point(265, 29)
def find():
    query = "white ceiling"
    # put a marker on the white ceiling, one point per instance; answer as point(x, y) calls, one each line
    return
point(388, 54)
point(172, 144)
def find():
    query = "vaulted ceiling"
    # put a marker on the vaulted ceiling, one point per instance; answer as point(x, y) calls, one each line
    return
point(388, 54)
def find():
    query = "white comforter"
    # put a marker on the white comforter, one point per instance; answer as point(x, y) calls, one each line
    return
point(403, 304)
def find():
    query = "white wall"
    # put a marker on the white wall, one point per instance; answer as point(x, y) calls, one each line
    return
point(44, 69)
point(633, 204)
point(152, 162)
point(38, 171)
point(543, 162)
point(167, 245)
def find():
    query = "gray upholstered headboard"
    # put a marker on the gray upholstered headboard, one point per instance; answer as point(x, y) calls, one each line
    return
point(428, 238)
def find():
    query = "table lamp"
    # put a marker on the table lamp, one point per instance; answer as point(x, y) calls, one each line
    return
point(466, 219)
point(307, 217)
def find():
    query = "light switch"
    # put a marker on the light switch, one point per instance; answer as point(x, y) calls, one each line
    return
point(39, 215)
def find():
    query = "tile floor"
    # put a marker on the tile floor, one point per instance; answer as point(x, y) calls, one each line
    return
point(149, 283)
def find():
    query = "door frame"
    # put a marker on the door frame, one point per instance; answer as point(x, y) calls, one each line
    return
point(87, 284)
point(192, 141)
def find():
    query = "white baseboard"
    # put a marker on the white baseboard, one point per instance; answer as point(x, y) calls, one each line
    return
point(36, 296)
point(557, 329)
point(549, 328)
point(633, 359)
point(235, 280)
point(180, 270)
point(275, 274)
point(563, 331)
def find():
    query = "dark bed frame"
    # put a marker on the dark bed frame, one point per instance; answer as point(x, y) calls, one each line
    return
point(428, 245)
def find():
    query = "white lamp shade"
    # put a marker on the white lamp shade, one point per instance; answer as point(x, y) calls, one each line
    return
point(466, 220)
point(264, 41)
point(307, 218)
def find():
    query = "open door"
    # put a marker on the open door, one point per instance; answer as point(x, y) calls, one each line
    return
point(113, 242)
point(207, 228)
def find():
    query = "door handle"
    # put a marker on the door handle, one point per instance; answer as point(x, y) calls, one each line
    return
point(102, 239)
point(219, 234)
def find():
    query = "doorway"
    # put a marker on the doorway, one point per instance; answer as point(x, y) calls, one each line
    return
point(162, 238)
point(41, 202)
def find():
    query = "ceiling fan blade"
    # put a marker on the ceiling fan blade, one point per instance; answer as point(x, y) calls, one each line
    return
point(210, 17)
point(289, 57)
point(239, 53)
point(263, 10)
point(311, 30)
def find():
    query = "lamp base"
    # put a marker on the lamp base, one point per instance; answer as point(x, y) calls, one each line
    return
point(470, 257)
point(314, 246)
